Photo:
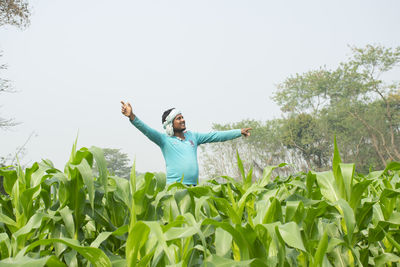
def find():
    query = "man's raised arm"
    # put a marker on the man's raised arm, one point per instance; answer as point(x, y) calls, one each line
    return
point(126, 109)
point(152, 134)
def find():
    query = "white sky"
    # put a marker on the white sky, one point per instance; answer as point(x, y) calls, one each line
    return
point(219, 61)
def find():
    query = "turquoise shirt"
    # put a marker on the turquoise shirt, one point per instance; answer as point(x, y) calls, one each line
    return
point(181, 155)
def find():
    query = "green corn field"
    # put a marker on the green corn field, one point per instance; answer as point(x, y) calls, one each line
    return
point(50, 217)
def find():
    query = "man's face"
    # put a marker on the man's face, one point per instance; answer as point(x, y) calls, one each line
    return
point(179, 123)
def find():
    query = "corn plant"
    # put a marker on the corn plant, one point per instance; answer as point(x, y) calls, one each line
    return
point(72, 217)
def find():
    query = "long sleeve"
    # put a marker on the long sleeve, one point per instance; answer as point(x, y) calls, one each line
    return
point(152, 134)
point(218, 136)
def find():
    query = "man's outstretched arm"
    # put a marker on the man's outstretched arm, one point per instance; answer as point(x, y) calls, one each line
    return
point(221, 136)
point(152, 134)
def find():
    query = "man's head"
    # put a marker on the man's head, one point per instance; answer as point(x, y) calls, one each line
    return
point(173, 121)
point(165, 115)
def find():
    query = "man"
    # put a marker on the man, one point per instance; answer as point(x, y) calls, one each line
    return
point(179, 147)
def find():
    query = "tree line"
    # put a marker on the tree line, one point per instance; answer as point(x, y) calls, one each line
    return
point(356, 102)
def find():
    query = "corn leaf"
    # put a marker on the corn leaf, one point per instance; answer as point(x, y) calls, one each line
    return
point(96, 257)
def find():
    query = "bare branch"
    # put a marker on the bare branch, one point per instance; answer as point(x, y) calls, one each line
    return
point(15, 13)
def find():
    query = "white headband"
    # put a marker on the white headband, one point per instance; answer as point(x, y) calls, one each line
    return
point(169, 120)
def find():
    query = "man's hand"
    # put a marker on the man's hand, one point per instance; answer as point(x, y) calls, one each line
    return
point(246, 132)
point(126, 109)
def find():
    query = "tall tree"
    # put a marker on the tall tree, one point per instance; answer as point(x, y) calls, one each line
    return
point(352, 102)
point(118, 163)
point(301, 134)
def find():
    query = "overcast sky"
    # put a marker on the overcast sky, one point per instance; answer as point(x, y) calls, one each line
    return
point(218, 61)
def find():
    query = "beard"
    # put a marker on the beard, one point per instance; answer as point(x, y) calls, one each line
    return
point(180, 130)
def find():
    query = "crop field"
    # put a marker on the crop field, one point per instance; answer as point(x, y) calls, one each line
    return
point(71, 217)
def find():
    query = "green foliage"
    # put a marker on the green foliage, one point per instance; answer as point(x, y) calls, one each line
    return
point(302, 133)
point(75, 218)
point(352, 102)
point(118, 163)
